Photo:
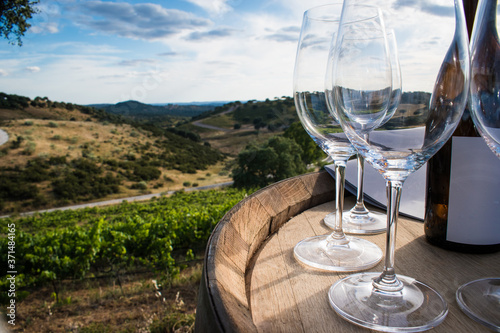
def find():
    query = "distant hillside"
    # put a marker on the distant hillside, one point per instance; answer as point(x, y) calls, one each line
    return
point(60, 153)
point(214, 103)
point(232, 126)
point(140, 110)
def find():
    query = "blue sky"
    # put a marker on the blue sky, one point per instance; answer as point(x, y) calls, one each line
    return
point(157, 51)
point(174, 51)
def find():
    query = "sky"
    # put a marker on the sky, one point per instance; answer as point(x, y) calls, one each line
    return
point(172, 51)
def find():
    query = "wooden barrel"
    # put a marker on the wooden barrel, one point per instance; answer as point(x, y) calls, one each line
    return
point(223, 304)
point(252, 282)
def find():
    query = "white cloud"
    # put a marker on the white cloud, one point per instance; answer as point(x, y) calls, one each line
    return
point(33, 69)
point(3, 72)
point(213, 7)
point(45, 27)
point(210, 34)
point(139, 21)
point(47, 20)
point(298, 7)
point(135, 62)
point(240, 56)
point(252, 62)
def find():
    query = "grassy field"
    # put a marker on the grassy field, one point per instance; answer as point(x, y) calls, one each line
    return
point(234, 141)
point(68, 138)
point(223, 121)
point(231, 141)
point(140, 304)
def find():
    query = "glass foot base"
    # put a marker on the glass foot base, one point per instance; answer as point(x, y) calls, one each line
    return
point(480, 300)
point(358, 254)
point(369, 224)
point(416, 308)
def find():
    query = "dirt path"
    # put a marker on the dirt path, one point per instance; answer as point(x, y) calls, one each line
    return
point(200, 124)
point(118, 201)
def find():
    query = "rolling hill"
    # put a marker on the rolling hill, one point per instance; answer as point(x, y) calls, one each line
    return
point(61, 153)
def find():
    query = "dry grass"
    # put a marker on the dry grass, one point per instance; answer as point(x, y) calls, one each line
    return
point(41, 113)
point(220, 120)
point(234, 141)
point(54, 138)
point(101, 306)
point(70, 139)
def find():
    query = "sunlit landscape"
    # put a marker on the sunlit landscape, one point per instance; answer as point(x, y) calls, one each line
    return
point(62, 155)
point(159, 117)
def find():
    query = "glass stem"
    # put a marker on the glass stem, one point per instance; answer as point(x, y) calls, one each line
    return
point(337, 237)
point(388, 282)
point(359, 208)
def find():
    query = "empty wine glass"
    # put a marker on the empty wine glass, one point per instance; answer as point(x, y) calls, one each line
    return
point(336, 251)
point(480, 299)
point(435, 67)
point(359, 219)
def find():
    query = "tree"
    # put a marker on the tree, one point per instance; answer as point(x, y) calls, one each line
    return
point(279, 158)
point(310, 150)
point(14, 16)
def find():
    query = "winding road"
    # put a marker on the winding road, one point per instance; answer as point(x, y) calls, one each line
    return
point(200, 124)
point(118, 201)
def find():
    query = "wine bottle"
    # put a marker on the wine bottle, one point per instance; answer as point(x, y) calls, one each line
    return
point(448, 222)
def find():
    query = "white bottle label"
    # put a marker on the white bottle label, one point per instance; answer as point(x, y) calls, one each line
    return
point(474, 202)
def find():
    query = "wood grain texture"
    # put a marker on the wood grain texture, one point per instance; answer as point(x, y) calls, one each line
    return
point(254, 284)
point(309, 311)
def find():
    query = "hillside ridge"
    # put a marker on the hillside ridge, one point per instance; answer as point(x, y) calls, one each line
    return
point(138, 109)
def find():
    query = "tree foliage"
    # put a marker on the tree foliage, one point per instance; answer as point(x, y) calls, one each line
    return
point(310, 150)
point(85, 182)
point(14, 16)
point(279, 158)
point(14, 102)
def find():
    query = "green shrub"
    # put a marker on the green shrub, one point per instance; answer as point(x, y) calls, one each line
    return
point(17, 143)
point(146, 172)
point(279, 158)
point(30, 148)
point(139, 186)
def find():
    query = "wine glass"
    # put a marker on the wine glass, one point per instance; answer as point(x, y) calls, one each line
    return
point(480, 299)
point(336, 251)
point(359, 219)
point(435, 66)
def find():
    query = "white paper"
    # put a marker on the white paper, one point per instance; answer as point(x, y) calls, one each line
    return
point(412, 196)
point(474, 203)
